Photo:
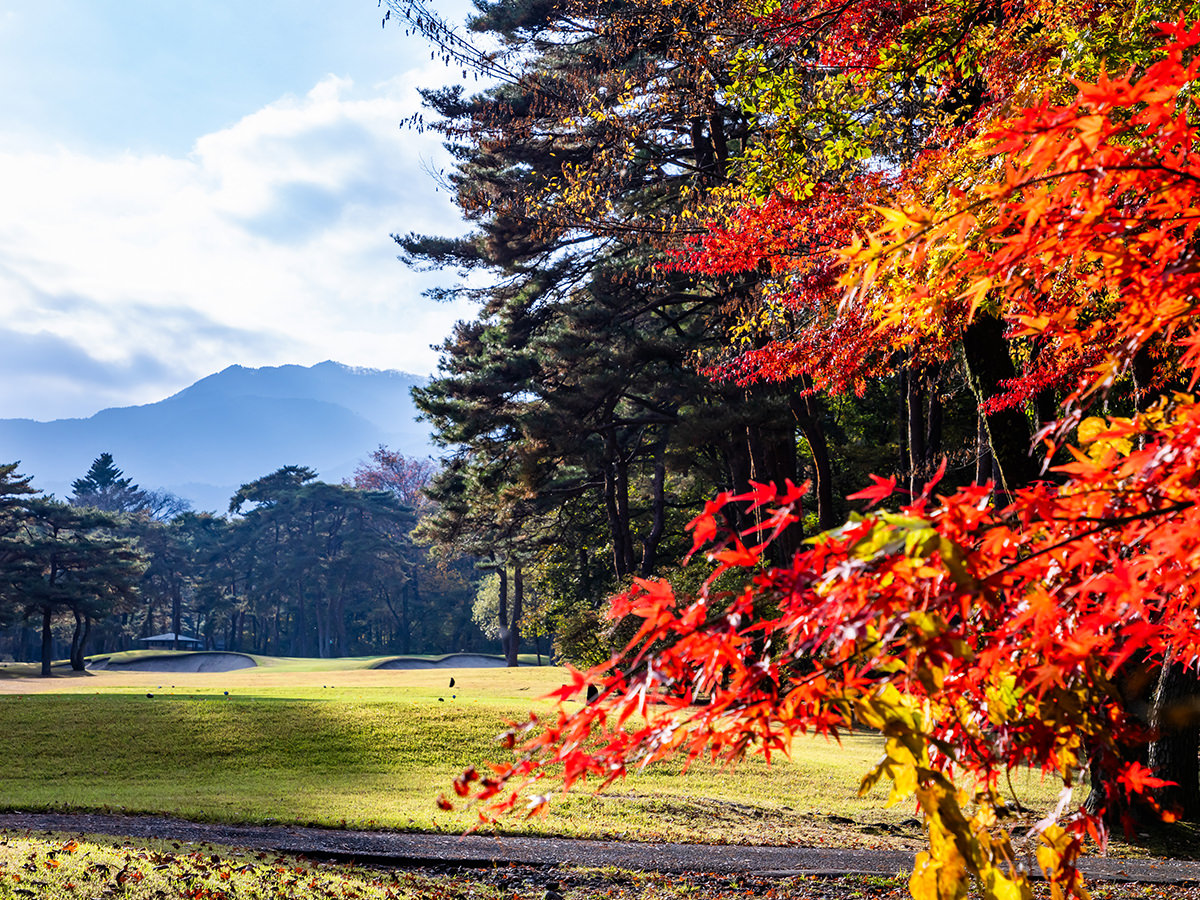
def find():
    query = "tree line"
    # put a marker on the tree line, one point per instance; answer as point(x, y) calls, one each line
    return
point(297, 567)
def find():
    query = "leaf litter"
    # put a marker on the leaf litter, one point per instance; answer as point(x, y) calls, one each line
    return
point(57, 867)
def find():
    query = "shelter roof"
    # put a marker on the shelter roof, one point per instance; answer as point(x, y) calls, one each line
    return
point(170, 637)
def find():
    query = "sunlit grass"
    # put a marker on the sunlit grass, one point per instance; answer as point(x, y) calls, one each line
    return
point(373, 748)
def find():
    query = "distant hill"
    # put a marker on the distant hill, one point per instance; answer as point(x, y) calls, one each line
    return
point(230, 428)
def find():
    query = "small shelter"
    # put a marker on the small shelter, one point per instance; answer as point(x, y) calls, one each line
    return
point(167, 641)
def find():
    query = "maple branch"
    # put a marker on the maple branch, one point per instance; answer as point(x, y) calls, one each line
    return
point(1106, 524)
point(1010, 191)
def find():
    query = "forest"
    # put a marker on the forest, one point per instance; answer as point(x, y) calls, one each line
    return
point(891, 304)
point(298, 567)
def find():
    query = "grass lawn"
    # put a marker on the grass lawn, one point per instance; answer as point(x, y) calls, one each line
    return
point(345, 745)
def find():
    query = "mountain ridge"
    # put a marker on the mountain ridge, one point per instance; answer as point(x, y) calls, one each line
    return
point(228, 428)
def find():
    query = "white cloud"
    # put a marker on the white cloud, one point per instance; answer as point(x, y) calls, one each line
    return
point(268, 243)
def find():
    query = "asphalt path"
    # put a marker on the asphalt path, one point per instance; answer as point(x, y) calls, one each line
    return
point(407, 850)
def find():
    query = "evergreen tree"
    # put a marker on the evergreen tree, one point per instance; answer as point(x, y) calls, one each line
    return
point(76, 563)
point(15, 492)
point(173, 569)
point(314, 556)
point(577, 386)
point(105, 488)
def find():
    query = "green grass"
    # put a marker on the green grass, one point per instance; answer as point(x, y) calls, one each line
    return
point(372, 748)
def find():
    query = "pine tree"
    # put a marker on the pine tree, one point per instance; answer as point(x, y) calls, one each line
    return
point(105, 488)
point(575, 393)
point(314, 554)
point(75, 562)
point(15, 491)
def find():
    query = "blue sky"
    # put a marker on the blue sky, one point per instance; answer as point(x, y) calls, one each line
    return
point(192, 184)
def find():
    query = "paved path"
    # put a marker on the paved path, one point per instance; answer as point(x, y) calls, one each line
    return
point(420, 850)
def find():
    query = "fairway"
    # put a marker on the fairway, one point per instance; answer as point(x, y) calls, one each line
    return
point(337, 745)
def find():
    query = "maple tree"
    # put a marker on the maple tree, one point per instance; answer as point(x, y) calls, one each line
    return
point(865, 107)
point(390, 470)
point(978, 636)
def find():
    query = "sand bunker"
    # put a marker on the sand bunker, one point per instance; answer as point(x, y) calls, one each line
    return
point(203, 661)
point(450, 661)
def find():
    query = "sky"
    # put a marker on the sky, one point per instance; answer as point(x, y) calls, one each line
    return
point(200, 183)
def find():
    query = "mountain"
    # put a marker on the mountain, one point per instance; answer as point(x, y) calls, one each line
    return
point(230, 428)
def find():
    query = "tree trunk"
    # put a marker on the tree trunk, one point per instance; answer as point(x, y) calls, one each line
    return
point(935, 415)
point(320, 615)
point(26, 642)
point(650, 541)
point(47, 644)
point(704, 153)
point(507, 645)
point(404, 633)
point(923, 426)
point(83, 627)
point(1008, 433)
point(807, 412)
point(83, 641)
point(914, 420)
point(1175, 752)
point(740, 467)
point(902, 412)
point(176, 611)
point(514, 631)
point(301, 630)
point(617, 526)
point(401, 640)
point(1136, 683)
point(624, 533)
point(411, 588)
point(237, 625)
point(582, 560)
point(340, 635)
point(983, 451)
point(73, 653)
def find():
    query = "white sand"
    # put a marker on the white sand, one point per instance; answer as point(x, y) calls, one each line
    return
point(202, 661)
point(451, 661)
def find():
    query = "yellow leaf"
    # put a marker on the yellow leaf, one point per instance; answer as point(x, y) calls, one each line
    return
point(1091, 428)
point(923, 883)
point(1001, 886)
